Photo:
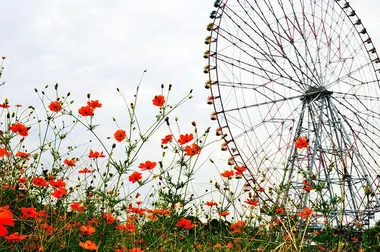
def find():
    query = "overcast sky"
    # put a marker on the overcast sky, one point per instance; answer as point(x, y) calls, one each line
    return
point(98, 45)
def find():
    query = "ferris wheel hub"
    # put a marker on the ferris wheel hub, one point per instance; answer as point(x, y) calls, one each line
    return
point(316, 93)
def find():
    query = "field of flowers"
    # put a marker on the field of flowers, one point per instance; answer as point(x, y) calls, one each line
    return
point(56, 198)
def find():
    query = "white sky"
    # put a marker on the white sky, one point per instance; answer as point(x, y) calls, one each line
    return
point(96, 46)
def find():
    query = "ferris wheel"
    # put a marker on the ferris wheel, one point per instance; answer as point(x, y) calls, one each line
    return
point(285, 71)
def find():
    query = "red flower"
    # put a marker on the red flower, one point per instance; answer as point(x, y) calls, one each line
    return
point(59, 193)
point(167, 139)
point(240, 170)
point(57, 183)
point(70, 162)
point(55, 106)
point(94, 104)
point(21, 154)
point(4, 105)
point(77, 207)
point(4, 152)
point(135, 250)
point(86, 111)
point(19, 128)
point(5, 220)
point(85, 170)
point(307, 188)
point(184, 139)
point(96, 154)
point(41, 182)
point(158, 100)
point(228, 174)
point(306, 213)
point(88, 230)
point(120, 135)
point(88, 245)
point(302, 142)
point(238, 227)
point(192, 150)
point(128, 227)
point(279, 210)
point(224, 214)
point(147, 165)
point(252, 202)
point(211, 203)
point(109, 218)
point(186, 224)
point(29, 212)
point(15, 237)
point(135, 177)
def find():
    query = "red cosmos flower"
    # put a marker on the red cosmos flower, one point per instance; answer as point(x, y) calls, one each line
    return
point(47, 227)
point(55, 106)
point(59, 193)
point(29, 212)
point(109, 218)
point(70, 162)
point(85, 170)
point(15, 237)
point(96, 154)
point(211, 203)
point(186, 224)
point(228, 174)
point(88, 230)
point(21, 154)
point(224, 214)
point(39, 181)
point(192, 150)
point(57, 183)
point(5, 219)
point(88, 245)
point(4, 152)
point(19, 128)
point(184, 139)
point(279, 210)
point(135, 250)
point(307, 188)
point(147, 165)
point(135, 177)
point(306, 213)
point(120, 135)
point(128, 227)
point(4, 105)
point(86, 111)
point(77, 207)
point(22, 180)
point(302, 142)
point(252, 202)
point(167, 139)
point(238, 227)
point(94, 104)
point(240, 170)
point(158, 100)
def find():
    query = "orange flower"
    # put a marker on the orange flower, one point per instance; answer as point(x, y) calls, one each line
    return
point(57, 183)
point(47, 227)
point(306, 213)
point(85, 170)
point(128, 227)
point(21, 154)
point(211, 203)
point(19, 128)
point(88, 245)
point(147, 165)
point(228, 174)
point(4, 105)
point(186, 224)
point(135, 177)
point(5, 219)
point(94, 104)
point(70, 162)
point(4, 152)
point(192, 150)
point(240, 170)
point(29, 212)
point(86, 111)
point(217, 245)
point(252, 202)
point(238, 227)
point(307, 188)
point(279, 210)
point(88, 230)
point(120, 135)
point(40, 182)
point(224, 214)
point(158, 100)
point(59, 193)
point(15, 237)
point(302, 142)
point(96, 154)
point(109, 218)
point(55, 106)
point(167, 139)
point(184, 139)
point(77, 207)
point(135, 250)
